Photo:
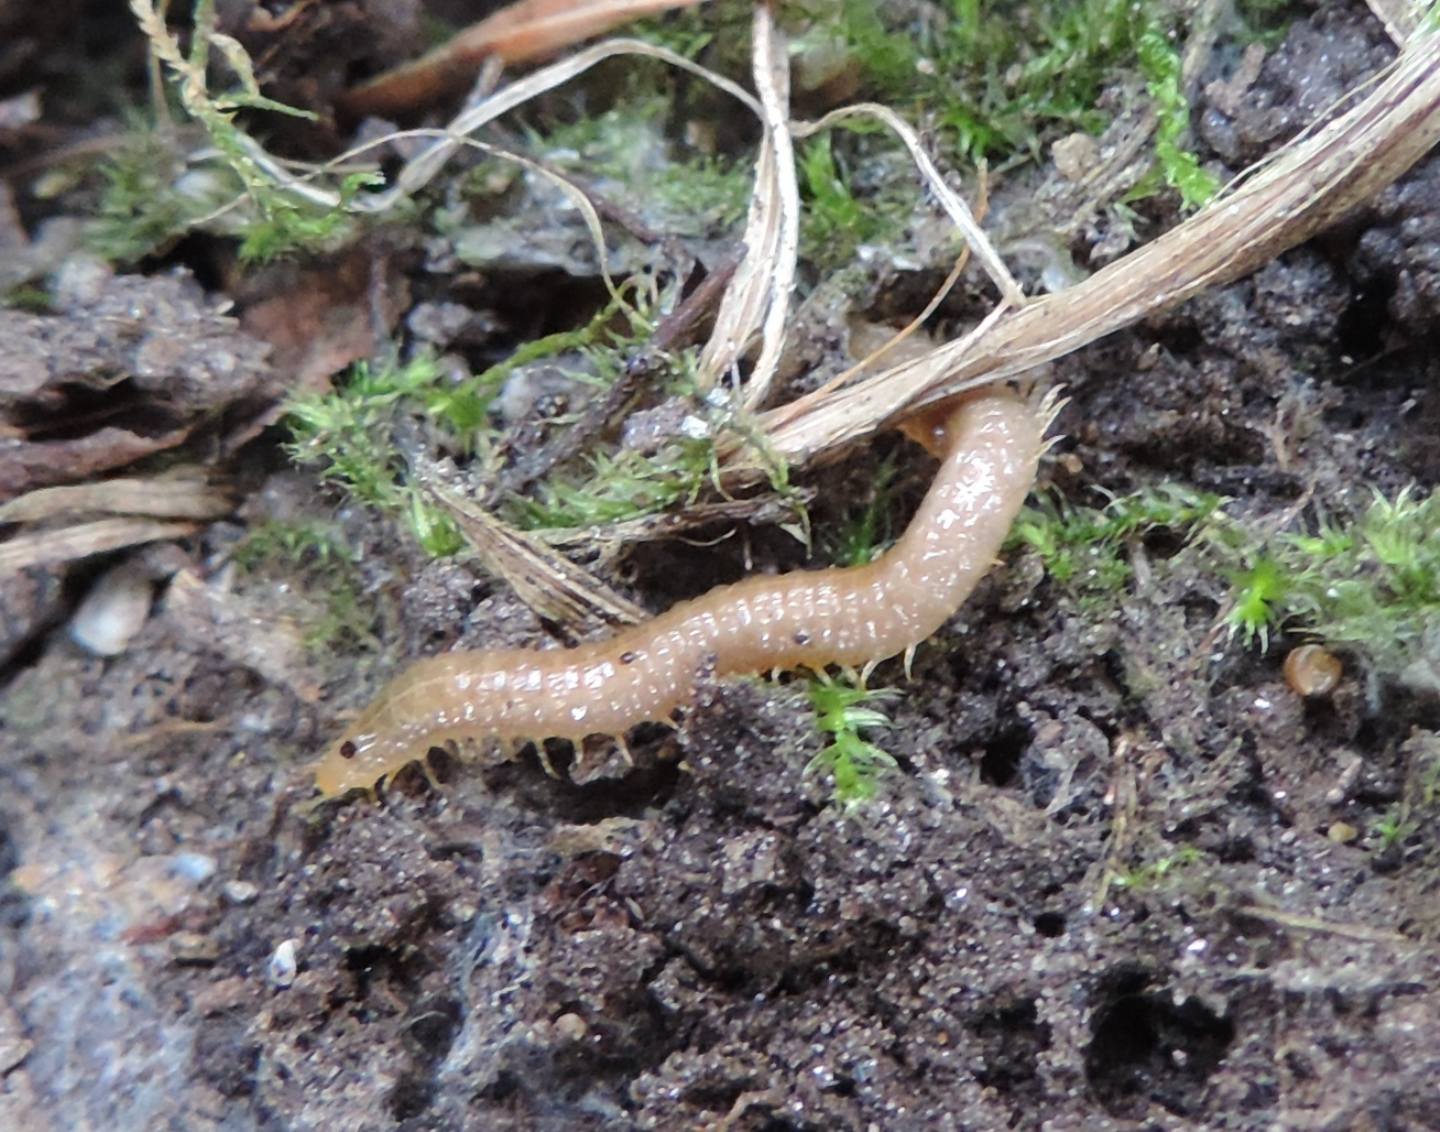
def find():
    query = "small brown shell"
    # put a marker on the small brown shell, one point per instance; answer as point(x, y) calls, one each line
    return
point(1312, 671)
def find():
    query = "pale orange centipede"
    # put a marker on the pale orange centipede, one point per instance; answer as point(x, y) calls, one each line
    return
point(989, 446)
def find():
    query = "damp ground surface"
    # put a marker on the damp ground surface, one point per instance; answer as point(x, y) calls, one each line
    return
point(1123, 877)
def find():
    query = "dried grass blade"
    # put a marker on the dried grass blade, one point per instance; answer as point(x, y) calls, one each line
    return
point(552, 586)
point(418, 172)
point(951, 201)
point(778, 200)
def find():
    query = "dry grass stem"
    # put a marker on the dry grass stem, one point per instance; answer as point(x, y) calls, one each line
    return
point(758, 298)
point(951, 201)
point(420, 170)
point(1305, 187)
point(753, 510)
point(551, 585)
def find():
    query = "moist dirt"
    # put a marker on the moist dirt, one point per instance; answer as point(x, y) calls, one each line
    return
point(1108, 886)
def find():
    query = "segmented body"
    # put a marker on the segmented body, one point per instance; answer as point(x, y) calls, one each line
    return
point(990, 446)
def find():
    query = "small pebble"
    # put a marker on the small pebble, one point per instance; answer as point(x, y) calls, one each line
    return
point(283, 964)
point(570, 1027)
point(193, 949)
point(240, 891)
point(1342, 833)
point(113, 611)
point(194, 867)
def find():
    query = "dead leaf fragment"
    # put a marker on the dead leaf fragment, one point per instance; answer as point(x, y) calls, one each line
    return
point(529, 29)
point(27, 464)
point(552, 586)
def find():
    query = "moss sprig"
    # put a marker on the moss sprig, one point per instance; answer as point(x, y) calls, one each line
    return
point(843, 710)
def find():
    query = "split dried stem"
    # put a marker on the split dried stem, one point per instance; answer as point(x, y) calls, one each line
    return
point(1301, 190)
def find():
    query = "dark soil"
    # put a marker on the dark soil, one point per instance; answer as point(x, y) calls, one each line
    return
point(704, 940)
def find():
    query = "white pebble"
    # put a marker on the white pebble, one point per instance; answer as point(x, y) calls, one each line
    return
point(283, 964)
point(113, 611)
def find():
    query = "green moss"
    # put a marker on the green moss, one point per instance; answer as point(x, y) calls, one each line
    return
point(292, 544)
point(315, 557)
point(1160, 64)
point(139, 211)
point(1259, 590)
point(1156, 874)
point(1084, 549)
point(1030, 71)
point(348, 435)
point(835, 221)
point(153, 193)
point(890, 61)
point(1000, 79)
point(843, 711)
point(1371, 586)
point(25, 298)
point(286, 225)
point(621, 486)
point(996, 77)
point(605, 340)
point(625, 151)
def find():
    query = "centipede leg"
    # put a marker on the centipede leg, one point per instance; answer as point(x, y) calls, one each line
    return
point(545, 762)
point(429, 772)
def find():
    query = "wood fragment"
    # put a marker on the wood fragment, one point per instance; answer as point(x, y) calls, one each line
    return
point(46, 548)
point(177, 495)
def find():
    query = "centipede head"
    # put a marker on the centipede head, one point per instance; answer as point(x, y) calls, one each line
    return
point(359, 760)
